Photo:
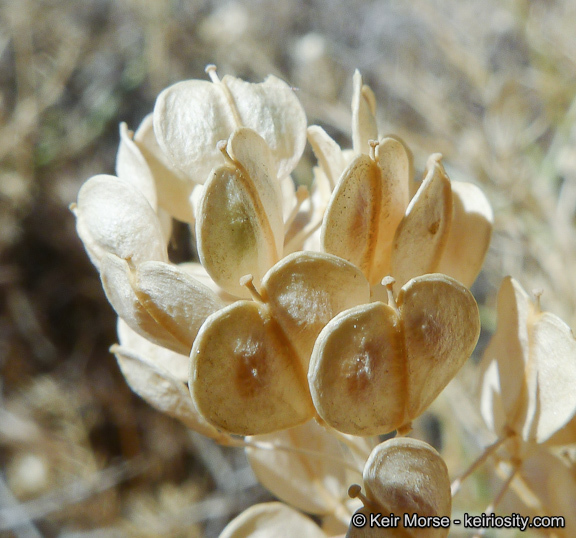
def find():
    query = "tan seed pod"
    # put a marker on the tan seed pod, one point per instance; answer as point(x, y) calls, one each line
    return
point(160, 389)
point(132, 167)
point(174, 299)
point(181, 129)
point(271, 519)
point(239, 225)
point(249, 361)
point(176, 364)
point(364, 127)
point(173, 187)
point(530, 369)
point(115, 275)
point(158, 301)
point(306, 290)
point(376, 367)
point(423, 232)
point(328, 152)
point(113, 216)
point(245, 376)
point(272, 109)
point(366, 208)
point(469, 236)
point(406, 476)
point(191, 117)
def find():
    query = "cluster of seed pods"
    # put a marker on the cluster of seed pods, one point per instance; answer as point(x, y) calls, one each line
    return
point(344, 306)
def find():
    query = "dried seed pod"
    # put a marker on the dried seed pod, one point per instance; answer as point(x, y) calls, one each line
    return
point(271, 519)
point(131, 166)
point(553, 481)
point(272, 109)
point(174, 299)
point(423, 232)
point(239, 224)
point(191, 117)
point(146, 376)
point(364, 127)
point(250, 359)
point(306, 470)
point(176, 364)
point(376, 367)
point(306, 290)
point(406, 476)
point(528, 399)
point(158, 301)
point(245, 376)
point(115, 276)
point(330, 157)
point(173, 187)
point(530, 369)
point(469, 236)
point(366, 208)
point(113, 216)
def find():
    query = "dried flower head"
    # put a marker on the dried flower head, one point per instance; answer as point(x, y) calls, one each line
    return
point(218, 154)
point(309, 317)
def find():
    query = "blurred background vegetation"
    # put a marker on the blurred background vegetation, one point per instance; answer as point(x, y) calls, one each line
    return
point(491, 85)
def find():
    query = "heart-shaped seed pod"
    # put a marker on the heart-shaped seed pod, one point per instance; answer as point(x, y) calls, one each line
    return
point(176, 364)
point(366, 208)
point(376, 367)
point(249, 361)
point(330, 157)
point(529, 369)
point(191, 117)
point(239, 225)
point(272, 519)
point(405, 476)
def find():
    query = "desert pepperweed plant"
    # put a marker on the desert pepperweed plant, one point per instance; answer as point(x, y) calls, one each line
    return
point(314, 321)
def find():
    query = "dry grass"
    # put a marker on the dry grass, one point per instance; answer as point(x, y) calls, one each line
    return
point(492, 85)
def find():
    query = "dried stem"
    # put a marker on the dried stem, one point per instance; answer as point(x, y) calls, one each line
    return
point(488, 451)
point(491, 507)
